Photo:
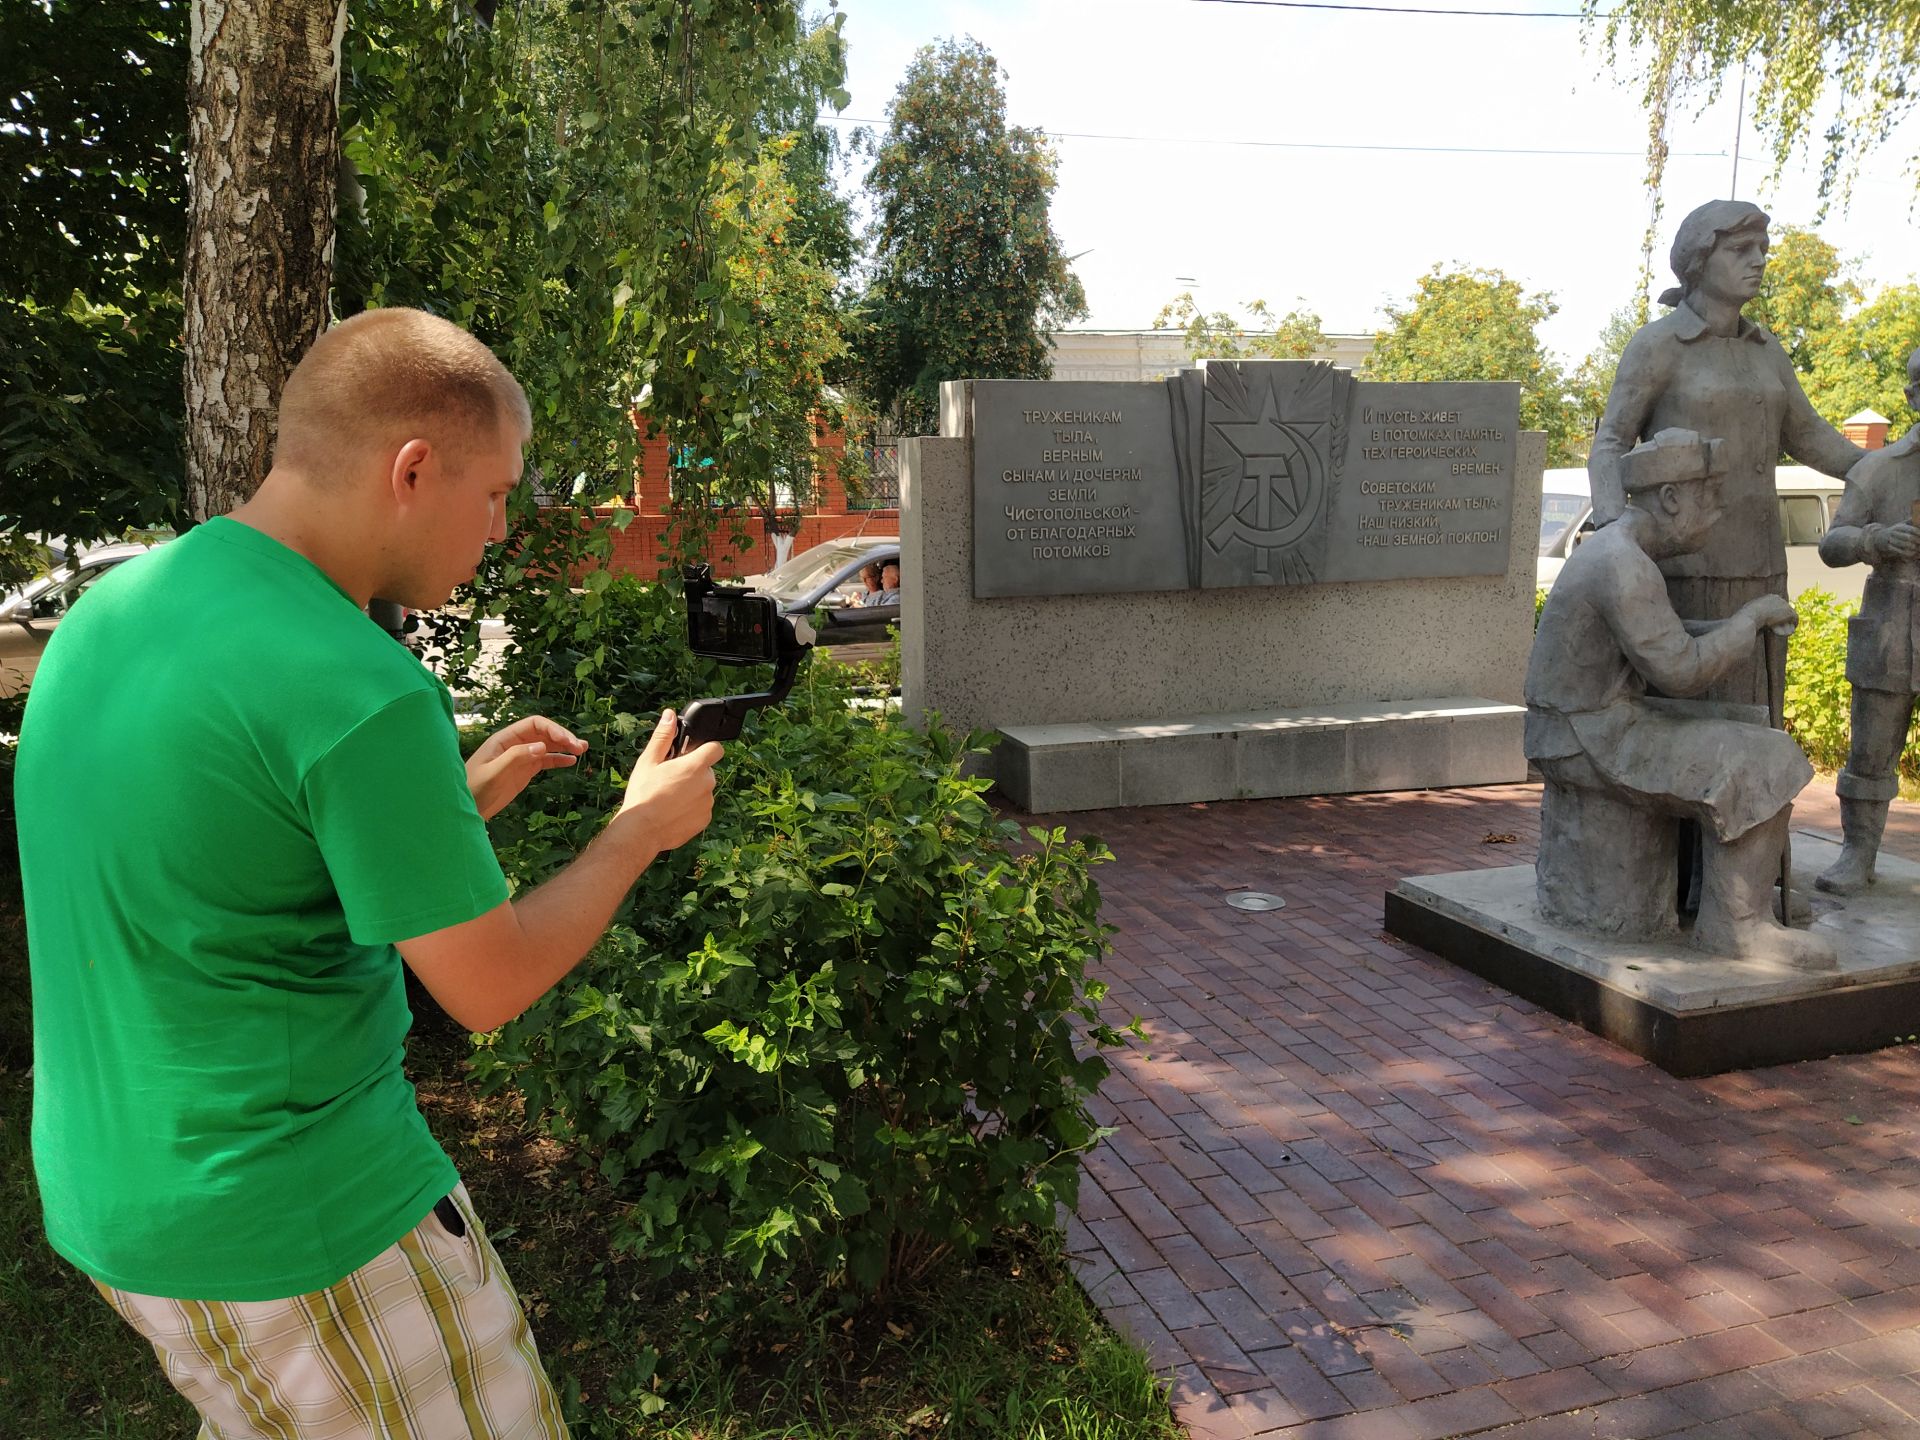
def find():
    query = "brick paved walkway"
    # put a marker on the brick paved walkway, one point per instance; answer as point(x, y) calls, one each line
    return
point(1355, 1192)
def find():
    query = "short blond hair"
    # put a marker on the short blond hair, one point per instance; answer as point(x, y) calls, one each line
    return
point(391, 370)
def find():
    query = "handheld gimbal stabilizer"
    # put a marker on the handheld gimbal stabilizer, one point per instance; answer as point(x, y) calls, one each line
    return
point(737, 626)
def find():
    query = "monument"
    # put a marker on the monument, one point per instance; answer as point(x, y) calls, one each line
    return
point(1642, 699)
point(1704, 367)
point(1259, 578)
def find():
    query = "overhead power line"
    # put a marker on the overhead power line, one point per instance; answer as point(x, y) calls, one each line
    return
point(1407, 9)
point(1324, 144)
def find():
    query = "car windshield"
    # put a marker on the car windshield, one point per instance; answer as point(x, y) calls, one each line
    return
point(1557, 512)
point(810, 569)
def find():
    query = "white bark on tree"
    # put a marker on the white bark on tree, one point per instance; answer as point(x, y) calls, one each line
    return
point(263, 129)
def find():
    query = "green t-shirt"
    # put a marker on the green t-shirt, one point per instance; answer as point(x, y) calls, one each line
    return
point(234, 793)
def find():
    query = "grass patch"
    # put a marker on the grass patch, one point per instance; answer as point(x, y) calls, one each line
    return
point(1007, 1347)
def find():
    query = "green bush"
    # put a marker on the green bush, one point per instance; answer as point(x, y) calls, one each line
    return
point(1818, 697)
point(846, 1031)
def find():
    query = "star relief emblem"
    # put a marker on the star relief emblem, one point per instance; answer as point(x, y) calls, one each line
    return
point(1273, 460)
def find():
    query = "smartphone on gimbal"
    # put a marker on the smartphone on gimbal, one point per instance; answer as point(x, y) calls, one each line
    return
point(736, 626)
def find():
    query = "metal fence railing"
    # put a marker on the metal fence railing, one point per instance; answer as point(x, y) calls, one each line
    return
point(880, 490)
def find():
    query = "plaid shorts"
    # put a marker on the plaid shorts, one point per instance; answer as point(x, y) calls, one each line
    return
point(426, 1341)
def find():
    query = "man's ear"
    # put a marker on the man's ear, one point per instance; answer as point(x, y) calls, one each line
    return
point(1670, 499)
point(410, 462)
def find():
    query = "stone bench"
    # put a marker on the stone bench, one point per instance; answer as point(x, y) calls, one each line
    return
point(1320, 750)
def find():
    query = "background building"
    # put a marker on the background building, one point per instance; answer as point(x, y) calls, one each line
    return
point(1155, 354)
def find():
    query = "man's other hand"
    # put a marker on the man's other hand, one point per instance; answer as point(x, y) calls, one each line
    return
point(500, 769)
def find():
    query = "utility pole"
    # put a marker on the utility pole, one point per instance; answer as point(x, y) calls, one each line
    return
point(1739, 120)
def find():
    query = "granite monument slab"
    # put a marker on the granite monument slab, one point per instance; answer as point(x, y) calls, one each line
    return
point(1245, 473)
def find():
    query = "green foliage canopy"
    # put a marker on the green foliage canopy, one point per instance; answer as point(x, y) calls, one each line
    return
point(967, 274)
point(555, 183)
point(92, 220)
point(791, 335)
point(1861, 363)
point(1479, 325)
point(586, 188)
point(1805, 293)
point(1593, 379)
point(1259, 335)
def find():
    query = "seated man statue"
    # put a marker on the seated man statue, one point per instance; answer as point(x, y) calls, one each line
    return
point(1622, 767)
point(1875, 524)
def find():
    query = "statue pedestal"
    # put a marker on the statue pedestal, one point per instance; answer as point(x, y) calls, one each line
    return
point(1689, 1013)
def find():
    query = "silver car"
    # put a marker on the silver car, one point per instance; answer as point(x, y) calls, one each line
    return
point(30, 615)
point(824, 582)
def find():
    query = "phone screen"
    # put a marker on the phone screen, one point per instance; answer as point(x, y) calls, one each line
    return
point(733, 625)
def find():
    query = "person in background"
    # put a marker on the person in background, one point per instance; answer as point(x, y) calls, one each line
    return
point(889, 585)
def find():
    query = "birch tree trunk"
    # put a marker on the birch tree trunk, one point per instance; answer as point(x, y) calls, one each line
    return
point(263, 134)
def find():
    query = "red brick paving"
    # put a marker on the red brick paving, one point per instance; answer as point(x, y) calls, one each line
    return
point(1355, 1192)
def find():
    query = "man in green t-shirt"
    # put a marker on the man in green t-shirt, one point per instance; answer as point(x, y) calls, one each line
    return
point(240, 807)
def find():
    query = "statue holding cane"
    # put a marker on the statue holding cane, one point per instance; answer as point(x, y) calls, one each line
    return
point(1622, 766)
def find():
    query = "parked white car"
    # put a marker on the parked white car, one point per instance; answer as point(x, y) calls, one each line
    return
point(29, 615)
point(1808, 502)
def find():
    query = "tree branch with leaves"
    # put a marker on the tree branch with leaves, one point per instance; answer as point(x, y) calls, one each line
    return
point(1832, 74)
point(1259, 336)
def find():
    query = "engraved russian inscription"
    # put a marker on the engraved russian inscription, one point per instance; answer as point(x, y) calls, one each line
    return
point(1436, 486)
point(1266, 472)
point(1074, 489)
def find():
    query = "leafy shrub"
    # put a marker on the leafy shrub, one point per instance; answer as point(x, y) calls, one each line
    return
point(1818, 699)
point(848, 1029)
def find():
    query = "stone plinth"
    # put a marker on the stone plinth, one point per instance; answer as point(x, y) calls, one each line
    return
point(1689, 1013)
point(1323, 750)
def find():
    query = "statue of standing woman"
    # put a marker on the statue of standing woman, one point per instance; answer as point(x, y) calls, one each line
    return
point(1706, 368)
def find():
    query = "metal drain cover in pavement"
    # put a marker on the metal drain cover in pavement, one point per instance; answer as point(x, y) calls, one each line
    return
point(1255, 900)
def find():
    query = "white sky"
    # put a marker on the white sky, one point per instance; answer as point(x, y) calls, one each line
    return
point(1345, 231)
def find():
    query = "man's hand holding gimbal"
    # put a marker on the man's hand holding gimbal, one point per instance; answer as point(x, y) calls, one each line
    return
point(669, 797)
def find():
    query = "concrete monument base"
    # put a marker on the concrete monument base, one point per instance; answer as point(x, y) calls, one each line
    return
point(1689, 1013)
point(1326, 750)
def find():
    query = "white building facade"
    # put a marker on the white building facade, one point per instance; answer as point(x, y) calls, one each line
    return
point(1156, 354)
